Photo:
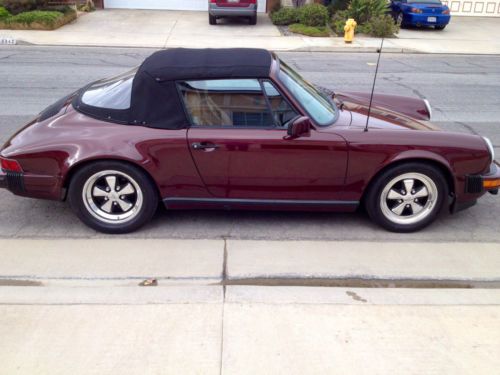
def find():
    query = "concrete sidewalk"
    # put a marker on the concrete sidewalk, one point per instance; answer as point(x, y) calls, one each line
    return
point(249, 330)
point(75, 306)
point(166, 29)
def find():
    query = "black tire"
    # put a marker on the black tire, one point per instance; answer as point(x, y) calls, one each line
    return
point(212, 20)
point(439, 27)
point(252, 20)
point(417, 210)
point(399, 20)
point(89, 192)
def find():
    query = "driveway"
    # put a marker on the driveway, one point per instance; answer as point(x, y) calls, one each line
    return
point(472, 35)
point(189, 29)
point(153, 28)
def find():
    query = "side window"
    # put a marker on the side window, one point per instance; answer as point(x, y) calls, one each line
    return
point(282, 110)
point(226, 102)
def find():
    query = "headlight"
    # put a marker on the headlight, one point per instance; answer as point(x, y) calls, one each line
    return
point(428, 106)
point(490, 148)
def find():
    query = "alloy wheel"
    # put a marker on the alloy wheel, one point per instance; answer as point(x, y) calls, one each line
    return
point(408, 198)
point(112, 197)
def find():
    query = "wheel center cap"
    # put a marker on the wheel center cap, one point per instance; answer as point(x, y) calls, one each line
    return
point(113, 196)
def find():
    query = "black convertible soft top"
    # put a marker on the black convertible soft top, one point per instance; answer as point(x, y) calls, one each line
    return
point(155, 101)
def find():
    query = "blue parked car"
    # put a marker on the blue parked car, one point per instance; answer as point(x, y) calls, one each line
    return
point(420, 13)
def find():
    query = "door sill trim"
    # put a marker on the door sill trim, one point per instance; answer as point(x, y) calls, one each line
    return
point(258, 202)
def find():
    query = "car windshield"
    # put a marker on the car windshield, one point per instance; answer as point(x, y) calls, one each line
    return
point(318, 106)
point(424, 2)
point(112, 93)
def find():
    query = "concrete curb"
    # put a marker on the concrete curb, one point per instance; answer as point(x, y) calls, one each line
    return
point(128, 262)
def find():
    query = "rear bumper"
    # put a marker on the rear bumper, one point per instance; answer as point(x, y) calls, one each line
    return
point(34, 186)
point(12, 181)
point(247, 11)
point(423, 19)
point(3, 180)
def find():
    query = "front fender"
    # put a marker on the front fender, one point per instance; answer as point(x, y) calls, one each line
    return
point(415, 108)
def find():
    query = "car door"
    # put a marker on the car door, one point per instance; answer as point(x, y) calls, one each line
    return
point(238, 141)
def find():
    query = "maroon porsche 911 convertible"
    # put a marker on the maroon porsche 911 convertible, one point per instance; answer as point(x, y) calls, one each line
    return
point(239, 129)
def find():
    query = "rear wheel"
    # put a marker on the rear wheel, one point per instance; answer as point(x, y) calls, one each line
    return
point(407, 198)
point(400, 20)
point(253, 20)
point(112, 197)
point(212, 20)
point(439, 27)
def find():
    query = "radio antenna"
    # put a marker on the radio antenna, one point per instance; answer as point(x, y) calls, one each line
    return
point(373, 86)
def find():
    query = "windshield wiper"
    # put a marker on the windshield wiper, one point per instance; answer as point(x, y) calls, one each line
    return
point(329, 95)
point(342, 105)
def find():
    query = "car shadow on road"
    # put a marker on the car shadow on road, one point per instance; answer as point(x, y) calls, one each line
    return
point(30, 218)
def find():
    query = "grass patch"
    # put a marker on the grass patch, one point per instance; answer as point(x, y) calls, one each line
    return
point(37, 20)
point(316, 31)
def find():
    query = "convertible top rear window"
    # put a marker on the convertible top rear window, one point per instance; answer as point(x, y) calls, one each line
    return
point(112, 93)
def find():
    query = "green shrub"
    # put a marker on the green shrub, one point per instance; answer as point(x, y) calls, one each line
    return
point(380, 26)
point(313, 15)
point(4, 13)
point(337, 5)
point(62, 8)
point(19, 6)
point(309, 30)
point(285, 16)
point(48, 18)
point(338, 21)
point(363, 10)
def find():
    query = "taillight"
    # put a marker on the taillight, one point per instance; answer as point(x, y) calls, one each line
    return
point(446, 11)
point(213, 1)
point(10, 165)
point(416, 10)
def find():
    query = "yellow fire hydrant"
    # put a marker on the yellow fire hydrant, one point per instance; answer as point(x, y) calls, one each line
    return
point(349, 27)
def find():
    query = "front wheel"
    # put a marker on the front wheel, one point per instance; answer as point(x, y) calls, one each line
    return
point(407, 198)
point(212, 20)
point(112, 197)
point(252, 20)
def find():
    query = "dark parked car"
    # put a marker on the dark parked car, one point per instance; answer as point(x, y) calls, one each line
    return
point(420, 13)
point(239, 129)
point(232, 8)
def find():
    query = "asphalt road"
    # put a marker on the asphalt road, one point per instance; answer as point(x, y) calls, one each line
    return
point(464, 91)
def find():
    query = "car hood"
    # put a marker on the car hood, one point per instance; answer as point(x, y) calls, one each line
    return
point(387, 112)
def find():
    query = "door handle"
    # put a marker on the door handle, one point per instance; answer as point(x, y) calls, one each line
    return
point(203, 145)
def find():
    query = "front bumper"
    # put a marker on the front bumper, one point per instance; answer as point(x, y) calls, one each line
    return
point(236, 11)
point(489, 182)
point(423, 19)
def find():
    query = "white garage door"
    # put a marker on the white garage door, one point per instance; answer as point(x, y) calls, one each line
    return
point(482, 8)
point(167, 4)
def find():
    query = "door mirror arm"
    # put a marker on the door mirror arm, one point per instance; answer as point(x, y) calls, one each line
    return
point(299, 127)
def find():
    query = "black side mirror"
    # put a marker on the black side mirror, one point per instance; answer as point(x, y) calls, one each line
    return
point(299, 127)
